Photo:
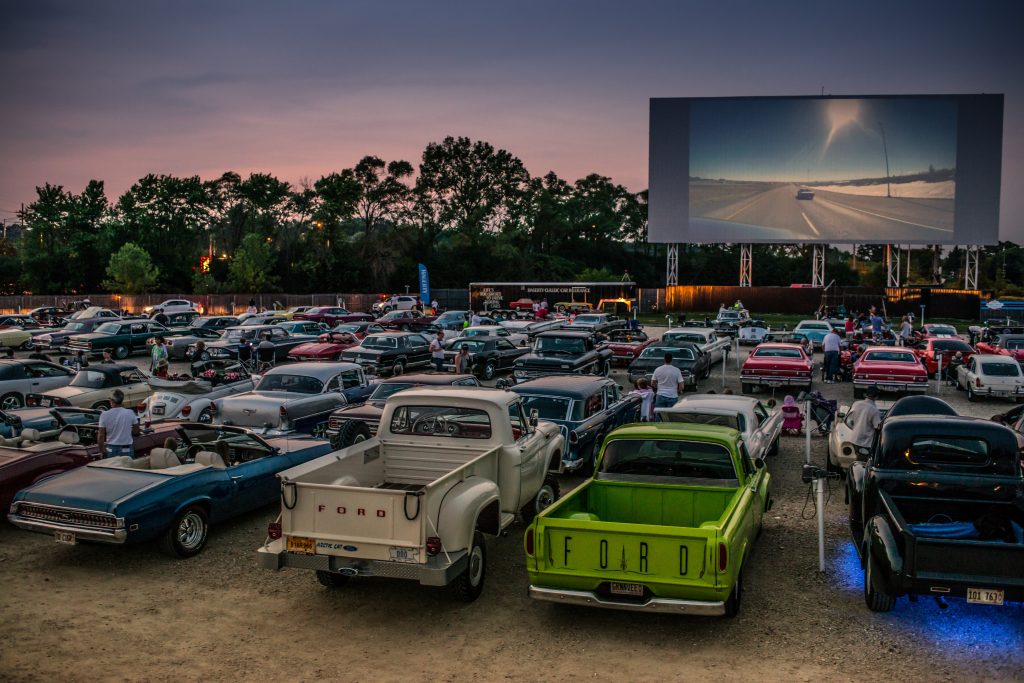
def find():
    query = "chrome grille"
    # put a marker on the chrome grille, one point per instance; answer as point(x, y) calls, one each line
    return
point(96, 520)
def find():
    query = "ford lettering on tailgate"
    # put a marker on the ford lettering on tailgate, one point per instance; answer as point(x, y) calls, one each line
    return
point(629, 555)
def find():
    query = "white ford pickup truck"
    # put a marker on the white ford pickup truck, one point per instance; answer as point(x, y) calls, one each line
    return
point(447, 465)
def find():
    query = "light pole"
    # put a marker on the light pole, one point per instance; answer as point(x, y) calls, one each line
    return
point(885, 150)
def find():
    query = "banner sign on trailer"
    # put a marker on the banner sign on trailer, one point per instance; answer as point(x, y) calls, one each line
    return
point(424, 285)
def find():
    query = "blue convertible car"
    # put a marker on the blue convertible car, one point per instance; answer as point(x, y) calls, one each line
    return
point(214, 472)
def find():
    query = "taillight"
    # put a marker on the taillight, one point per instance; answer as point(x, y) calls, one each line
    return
point(977, 382)
point(529, 541)
point(574, 438)
point(284, 413)
point(433, 545)
point(186, 410)
point(32, 400)
point(213, 408)
point(274, 530)
point(141, 408)
point(723, 557)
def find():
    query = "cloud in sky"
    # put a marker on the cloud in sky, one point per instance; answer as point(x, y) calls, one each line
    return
point(114, 90)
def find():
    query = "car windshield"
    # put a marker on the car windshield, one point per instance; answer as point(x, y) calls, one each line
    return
point(890, 357)
point(383, 391)
point(814, 326)
point(210, 437)
point(668, 458)
point(1000, 369)
point(88, 379)
point(441, 421)
point(71, 327)
point(942, 329)
point(346, 328)
point(238, 335)
point(777, 353)
point(588, 319)
point(548, 407)
point(109, 328)
point(566, 345)
point(374, 342)
point(478, 332)
point(732, 421)
point(728, 315)
point(683, 336)
point(299, 384)
point(450, 316)
point(660, 351)
point(952, 345)
point(627, 336)
point(471, 344)
point(394, 314)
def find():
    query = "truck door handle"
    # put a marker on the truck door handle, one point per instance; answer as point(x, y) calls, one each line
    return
point(236, 477)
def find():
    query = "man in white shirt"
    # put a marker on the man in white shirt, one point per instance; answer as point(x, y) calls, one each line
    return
point(437, 351)
point(474, 320)
point(865, 418)
point(118, 428)
point(667, 382)
point(830, 345)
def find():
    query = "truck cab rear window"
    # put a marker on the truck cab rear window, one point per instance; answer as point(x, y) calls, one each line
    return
point(948, 450)
point(446, 421)
point(668, 458)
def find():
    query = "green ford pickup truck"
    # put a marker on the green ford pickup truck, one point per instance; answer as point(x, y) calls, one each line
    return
point(666, 524)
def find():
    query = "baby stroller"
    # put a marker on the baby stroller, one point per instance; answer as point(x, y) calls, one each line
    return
point(823, 410)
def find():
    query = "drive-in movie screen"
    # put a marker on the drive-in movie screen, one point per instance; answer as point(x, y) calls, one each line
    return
point(824, 169)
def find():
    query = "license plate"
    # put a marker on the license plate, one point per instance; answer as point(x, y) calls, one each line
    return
point(405, 554)
point(298, 544)
point(66, 537)
point(634, 589)
point(158, 410)
point(774, 383)
point(985, 596)
point(888, 387)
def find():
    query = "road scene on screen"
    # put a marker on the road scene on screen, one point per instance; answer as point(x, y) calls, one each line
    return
point(833, 169)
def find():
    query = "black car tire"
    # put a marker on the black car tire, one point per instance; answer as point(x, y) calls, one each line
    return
point(205, 416)
point(746, 388)
point(971, 395)
point(858, 393)
point(101, 405)
point(468, 585)
point(12, 401)
point(205, 355)
point(546, 496)
point(877, 600)
point(331, 579)
point(352, 432)
point(120, 352)
point(488, 371)
point(398, 368)
point(732, 604)
point(187, 534)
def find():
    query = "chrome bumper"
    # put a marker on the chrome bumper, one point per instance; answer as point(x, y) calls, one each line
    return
point(780, 381)
point(85, 533)
point(437, 571)
point(588, 599)
point(891, 387)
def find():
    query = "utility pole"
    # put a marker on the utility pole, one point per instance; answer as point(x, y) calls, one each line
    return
point(885, 150)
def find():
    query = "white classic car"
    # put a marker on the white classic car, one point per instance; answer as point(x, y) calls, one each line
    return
point(517, 338)
point(993, 375)
point(191, 400)
point(842, 452)
point(704, 337)
point(759, 422)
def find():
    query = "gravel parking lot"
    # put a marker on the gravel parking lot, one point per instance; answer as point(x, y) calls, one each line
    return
point(95, 612)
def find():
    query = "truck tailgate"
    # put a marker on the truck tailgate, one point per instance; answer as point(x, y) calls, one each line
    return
point(964, 561)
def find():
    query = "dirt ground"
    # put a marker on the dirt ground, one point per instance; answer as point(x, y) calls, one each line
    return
point(102, 613)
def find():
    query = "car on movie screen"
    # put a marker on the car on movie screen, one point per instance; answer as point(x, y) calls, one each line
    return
point(35, 454)
point(523, 307)
point(586, 408)
point(991, 376)
point(776, 365)
point(890, 370)
point(692, 362)
point(215, 472)
point(488, 356)
point(805, 193)
point(91, 387)
point(295, 397)
point(628, 344)
point(1011, 345)
point(929, 350)
point(390, 352)
point(353, 424)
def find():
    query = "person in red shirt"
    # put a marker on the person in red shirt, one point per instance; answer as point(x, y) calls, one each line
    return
point(849, 326)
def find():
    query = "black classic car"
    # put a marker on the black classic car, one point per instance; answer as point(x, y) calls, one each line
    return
point(586, 408)
point(215, 322)
point(564, 352)
point(354, 423)
point(936, 509)
point(687, 356)
point(487, 355)
point(227, 346)
point(600, 323)
point(391, 352)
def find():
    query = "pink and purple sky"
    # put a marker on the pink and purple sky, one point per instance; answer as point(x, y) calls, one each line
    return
point(115, 90)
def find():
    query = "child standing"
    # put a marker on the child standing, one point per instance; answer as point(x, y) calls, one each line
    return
point(792, 420)
point(643, 390)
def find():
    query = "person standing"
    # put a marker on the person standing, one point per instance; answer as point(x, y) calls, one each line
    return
point(118, 428)
point(906, 330)
point(161, 318)
point(474, 319)
point(462, 365)
point(643, 390)
point(667, 382)
point(433, 307)
point(849, 326)
point(865, 418)
point(876, 325)
point(830, 345)
point(437, 351)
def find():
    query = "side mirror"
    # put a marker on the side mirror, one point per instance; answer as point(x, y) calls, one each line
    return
point(534, 417)
point(759, 463)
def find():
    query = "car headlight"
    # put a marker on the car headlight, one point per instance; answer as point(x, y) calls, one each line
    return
point(218, 352)
point(520, 373)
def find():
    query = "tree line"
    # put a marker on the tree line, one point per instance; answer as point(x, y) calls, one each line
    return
point(469, 211)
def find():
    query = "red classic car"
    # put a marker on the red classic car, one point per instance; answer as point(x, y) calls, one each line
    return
point(332, 315)
point(404, 320)
point(626, 345)
point(329, 345)
point(929, 349)
point(889, 369)
point(33, 455)
point(1005, 345)
point(776, 365)
point(936, 330)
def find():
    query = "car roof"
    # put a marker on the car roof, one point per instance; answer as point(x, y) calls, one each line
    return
point(429, 378)
point(689, 330)
point(784, 345)
point(994, 357)
point(393, 334)
point(578, 334)
point(320, 370)
point(715, 401)
point(570, 386)
point(109, 368)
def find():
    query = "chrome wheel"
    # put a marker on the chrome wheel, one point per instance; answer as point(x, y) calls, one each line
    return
point(476, 566)
point(545, 498)
point(11, 402)
point(191, 531)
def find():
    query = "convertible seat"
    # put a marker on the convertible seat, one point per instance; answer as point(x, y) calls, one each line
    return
point(69, 437)
point(162, 458)
point(29, 435)
point(210, 459)
point(12, 442)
